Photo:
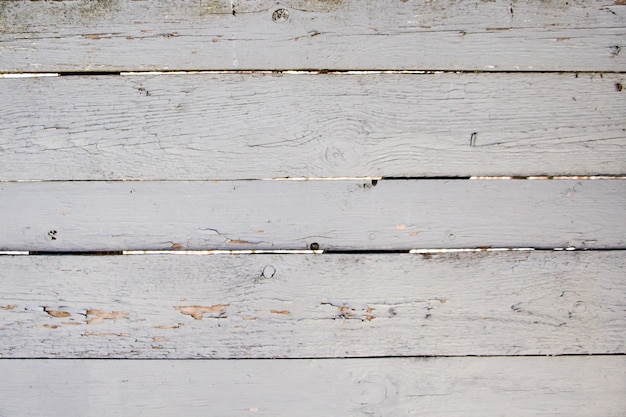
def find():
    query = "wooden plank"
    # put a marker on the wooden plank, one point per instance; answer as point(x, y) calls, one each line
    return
point(576, 35)
point(298, 306)
point(485, 387)
point(232, 126)
point(334, 215)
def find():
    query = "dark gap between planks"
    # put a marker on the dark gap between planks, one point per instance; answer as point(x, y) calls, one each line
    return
point(303, 71)
point(208, 252)
point(323, 358)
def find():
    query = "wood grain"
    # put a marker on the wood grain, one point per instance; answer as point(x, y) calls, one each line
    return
point(577, 35)
point(482, 387)
point(229, 126)
point(299, 306)
point(335, 215)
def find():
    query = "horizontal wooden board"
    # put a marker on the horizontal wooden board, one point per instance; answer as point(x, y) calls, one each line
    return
point(234, 126)
point(299, 306)
point(536, 35)
point(331, 215)
point(482, 387)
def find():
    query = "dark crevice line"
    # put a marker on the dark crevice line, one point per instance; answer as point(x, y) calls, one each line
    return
point(418, 357)
point(77, 253)
point(88, 73)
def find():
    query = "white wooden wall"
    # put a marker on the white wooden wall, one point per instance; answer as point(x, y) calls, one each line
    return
point(313, 207)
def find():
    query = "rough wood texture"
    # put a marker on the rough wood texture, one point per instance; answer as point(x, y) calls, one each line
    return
point(226, 126)
point(350, 34)
point(460, 387)
point(299, 306)
point(337, 215)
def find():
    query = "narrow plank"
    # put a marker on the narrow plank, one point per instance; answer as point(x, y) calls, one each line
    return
point(496, 35)
point(485, 387)
point(299, 306)
point(229, 126)
point(334, 215)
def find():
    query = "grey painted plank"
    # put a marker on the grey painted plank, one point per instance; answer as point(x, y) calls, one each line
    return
point(349, 34)
point(485, 387)
point(226, 126)
point(337, 215)
point(299, 306)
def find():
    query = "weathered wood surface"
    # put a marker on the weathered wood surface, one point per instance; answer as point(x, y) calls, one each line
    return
point(336, 215)
point(481, 387)
point(350, 34)
point(299, 306)
point(234, 126)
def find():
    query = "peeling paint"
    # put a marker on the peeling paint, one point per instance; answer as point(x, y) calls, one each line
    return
point(347, 312)
point(197, 311)
point(242, 242)
point(106, 334)
point(169, 326)
point(9, 307)
point(102, 315)
point(57, 313)
point(284, 312)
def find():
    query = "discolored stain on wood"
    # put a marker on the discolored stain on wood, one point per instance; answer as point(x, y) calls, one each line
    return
point(197, 311)
point(177, 246)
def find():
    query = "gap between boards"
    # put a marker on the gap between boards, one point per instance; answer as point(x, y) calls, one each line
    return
point(374, 180)
point(332, 71)
point(296, 251)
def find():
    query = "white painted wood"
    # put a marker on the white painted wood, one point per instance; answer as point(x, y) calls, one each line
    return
point(299, 306)
point(233, 126)
point(481, 387)
point(496, 35)
point(337, 215)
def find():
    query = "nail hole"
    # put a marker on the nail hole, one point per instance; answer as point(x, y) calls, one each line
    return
point(619, 86)
point(315, 246)
point(280, 15)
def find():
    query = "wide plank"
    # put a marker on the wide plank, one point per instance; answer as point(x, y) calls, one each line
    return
point(536, 35)
point(241, 126)
point(327, 215)
point(299, 306)
point(568, 386)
